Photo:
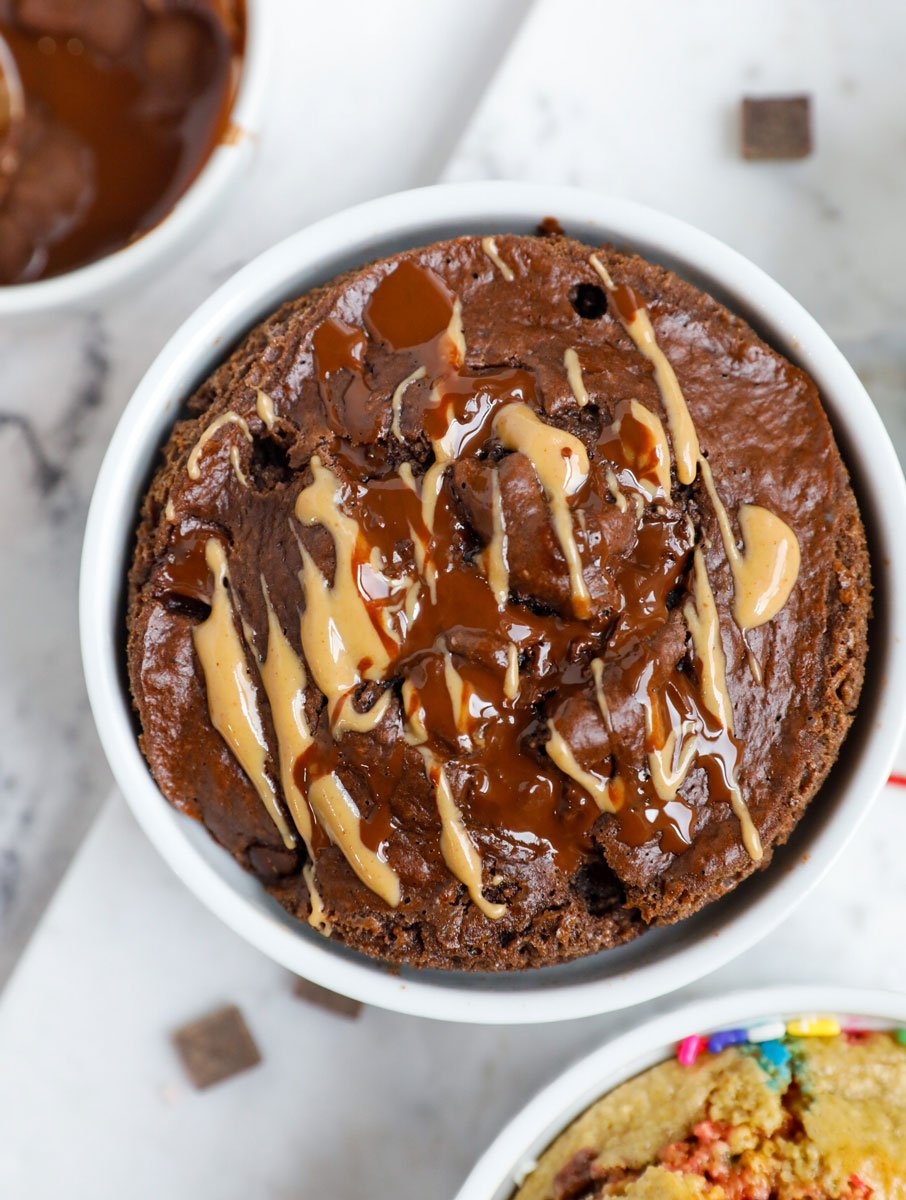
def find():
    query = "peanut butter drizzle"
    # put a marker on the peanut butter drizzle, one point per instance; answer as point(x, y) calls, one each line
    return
point(702, 620)
point(764, 572)
point(561, 464)
point(416, 730)
point(704, 624)
point(560, 752)
point(458, 690)
point(645, 443)
point(574, 376)
point(511, 679)
point(597, 674)
point(193, 465)
point(284, 680)
point(635, 320)
point(397, 402)
point(264, 407)
point(338, 633)
point(348, 719)
point(494, 560)
point(489, 246)
point(317, 918)
point(232, 698)
point(456, 846)
point(340, 819)
point(766, 569)
point(613, 486)
point(379, 621)
point(669, 768)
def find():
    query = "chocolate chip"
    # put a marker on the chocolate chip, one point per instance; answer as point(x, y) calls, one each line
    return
point(341, 1006)
point(589, 301)
point(778, 127)
point(216, 1047)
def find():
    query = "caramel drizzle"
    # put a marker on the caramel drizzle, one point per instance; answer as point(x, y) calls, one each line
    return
point(232, 699)
point(193, 465)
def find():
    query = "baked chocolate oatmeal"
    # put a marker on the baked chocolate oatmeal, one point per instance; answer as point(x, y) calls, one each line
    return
point(497, 601)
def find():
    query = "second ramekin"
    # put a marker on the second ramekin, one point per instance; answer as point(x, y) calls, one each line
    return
point(512, 1154)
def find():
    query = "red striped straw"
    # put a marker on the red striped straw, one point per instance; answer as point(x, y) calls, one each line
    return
point(897, 780)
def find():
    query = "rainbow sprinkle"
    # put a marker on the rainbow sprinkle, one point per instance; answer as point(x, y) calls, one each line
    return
point(813, 1027)
point(689, 1049)
point(727, 1037)
point(768, 1038)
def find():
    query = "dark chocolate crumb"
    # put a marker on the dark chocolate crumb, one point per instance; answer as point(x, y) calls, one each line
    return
point(216, 1047)
point(341, 1006)
point(776, 127)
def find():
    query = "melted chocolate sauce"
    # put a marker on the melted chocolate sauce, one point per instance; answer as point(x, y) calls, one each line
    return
point(124, 105)
point(616, 686)
point(493, 747)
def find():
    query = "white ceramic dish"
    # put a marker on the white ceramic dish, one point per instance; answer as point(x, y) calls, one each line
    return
point(191, 213)
point(518, 1146)
point(661, 960)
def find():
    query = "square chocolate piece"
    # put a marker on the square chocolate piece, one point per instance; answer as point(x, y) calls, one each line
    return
point(778, 127)
point(342, 1006)
point(216, 1047)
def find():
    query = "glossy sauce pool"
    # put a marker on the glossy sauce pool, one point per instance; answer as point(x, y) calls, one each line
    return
point(121, 116)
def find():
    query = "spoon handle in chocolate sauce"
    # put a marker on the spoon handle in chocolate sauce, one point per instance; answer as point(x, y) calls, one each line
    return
point(12, 97)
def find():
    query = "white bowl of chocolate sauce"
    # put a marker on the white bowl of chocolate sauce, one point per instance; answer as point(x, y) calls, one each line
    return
point(128, 126)
point(661, 960)
point(513, 1154)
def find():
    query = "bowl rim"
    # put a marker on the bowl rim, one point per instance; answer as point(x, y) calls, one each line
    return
point(534, 1127)
point(216, 176)
point(353, 236)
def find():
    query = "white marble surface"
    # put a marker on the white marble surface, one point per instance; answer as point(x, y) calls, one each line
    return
point(380, 1106)
point(592, 93)
point(355, 108)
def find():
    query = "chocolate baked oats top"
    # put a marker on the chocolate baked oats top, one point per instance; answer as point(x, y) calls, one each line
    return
point(495, 564)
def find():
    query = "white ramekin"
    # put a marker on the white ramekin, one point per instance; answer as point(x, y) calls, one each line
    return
point(662, 960)
point(191, 213)
point(520, 1143)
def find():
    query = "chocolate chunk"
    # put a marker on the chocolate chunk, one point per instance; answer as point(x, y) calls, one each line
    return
point(776, 127)
point(550, 227)
point(216, 1047)
point(341, 1006)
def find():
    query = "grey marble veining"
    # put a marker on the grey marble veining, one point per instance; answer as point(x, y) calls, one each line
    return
point(66, 376)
